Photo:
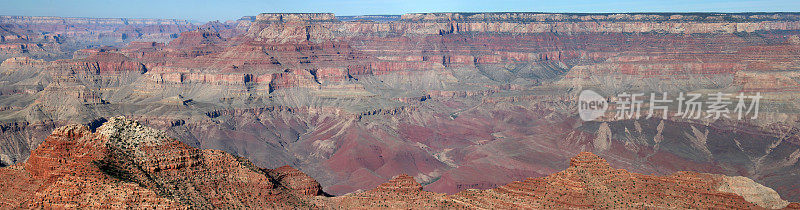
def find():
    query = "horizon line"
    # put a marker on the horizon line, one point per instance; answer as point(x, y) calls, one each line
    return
point(334, 14)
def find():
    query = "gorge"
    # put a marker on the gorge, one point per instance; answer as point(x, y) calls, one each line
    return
point(457, 101)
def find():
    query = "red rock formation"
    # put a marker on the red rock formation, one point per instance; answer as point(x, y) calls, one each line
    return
point(402, 183)
point(108, 63)
point(591, 183)
point(588, 183)
point(125, 164)
point(195, 39)
point(296, 181)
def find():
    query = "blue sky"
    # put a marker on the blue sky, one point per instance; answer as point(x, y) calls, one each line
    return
point(205, 10)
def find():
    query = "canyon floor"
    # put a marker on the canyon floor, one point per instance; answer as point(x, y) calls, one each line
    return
point(465, 104)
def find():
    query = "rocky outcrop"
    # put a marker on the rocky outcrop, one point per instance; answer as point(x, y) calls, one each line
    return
point(752, 192)
point(296, 181)
point(127, 165)
point(124, 164)
point(402, 183)
point(108, 63)
point(588, 183)
point(195, 39)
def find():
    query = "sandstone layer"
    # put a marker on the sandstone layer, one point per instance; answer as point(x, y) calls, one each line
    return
point(456, 100)
point(58, 37)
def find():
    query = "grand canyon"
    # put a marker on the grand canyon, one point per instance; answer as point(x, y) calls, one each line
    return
point(420, 110)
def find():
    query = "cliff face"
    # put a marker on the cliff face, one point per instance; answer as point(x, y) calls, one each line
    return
point(457, 101)
point(447, 23)
point(126, 165)
point(58, 37)
point(588, 17)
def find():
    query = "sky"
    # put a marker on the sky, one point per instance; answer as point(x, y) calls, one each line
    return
point(207, 10)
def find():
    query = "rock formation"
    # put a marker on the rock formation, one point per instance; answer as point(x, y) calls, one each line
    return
point(58, 37)
point(589, 183)
point(124, 164)
point(457, 100)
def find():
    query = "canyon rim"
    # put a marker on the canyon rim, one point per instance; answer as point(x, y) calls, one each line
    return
point(415, 110)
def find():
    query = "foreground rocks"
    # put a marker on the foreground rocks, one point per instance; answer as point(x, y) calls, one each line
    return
point(127, 165)
point(589, 183)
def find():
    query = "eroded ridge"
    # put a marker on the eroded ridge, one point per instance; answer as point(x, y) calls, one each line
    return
point(127, 165)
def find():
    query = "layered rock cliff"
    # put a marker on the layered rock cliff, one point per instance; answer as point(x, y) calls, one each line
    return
point(458, 101)
point(59, 37)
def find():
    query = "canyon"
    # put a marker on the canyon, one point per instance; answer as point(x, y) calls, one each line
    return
point(465, 104)
point(56, 37)
point(123, 164)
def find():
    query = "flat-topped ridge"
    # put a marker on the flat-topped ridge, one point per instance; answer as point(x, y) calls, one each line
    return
point(558, 17)
point(401, 182)
point(295, 17)
point(588, 160)
point(8, 19)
